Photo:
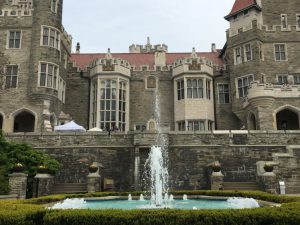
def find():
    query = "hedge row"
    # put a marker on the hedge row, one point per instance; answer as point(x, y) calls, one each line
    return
point(22, 212)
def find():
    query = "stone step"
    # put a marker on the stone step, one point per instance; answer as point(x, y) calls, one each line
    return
point(66, 188)
point(251, 186)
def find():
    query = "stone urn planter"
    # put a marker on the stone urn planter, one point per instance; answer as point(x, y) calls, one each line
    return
point(93, 168)
point(42, 169)
point(18, 168)
point(268, 168)
point(216, 167)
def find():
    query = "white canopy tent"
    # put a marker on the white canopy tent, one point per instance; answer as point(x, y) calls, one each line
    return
point(95, 129)
point(70, 127)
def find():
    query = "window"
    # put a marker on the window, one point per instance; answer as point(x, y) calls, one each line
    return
point(280, 52)
point(243, 85)
point(284, 24)
point(261, 53)
point(195, 88)
point(223, 93)
point(54, 6)
point(180, 89)
point(94, 103)
point(51, 37)
point(298, 21)
point(14, 39)
point(248, 52)
point(181, 126)
point(208, 91)
point(297, 79)
point(210, 125)
point(108, 104)
point(122, 105)
point(11, 76)
point(282, 79)
point(237, 56)
point(196, 125)
point(48, 75)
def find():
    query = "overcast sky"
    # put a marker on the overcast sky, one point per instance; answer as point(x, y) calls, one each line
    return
point(116, 24)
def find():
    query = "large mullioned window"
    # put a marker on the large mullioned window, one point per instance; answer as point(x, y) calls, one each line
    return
point(108, 104)
point(243, 85)
point(280, 52)
point(49, 77)
point(195, 88)
point(50, 37)
point(122, 105)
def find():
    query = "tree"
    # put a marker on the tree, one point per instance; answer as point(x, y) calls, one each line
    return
point(12, 154)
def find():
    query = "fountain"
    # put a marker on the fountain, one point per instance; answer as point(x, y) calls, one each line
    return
point(142, 197)
point(129, 197)
point(157, 173)
point(157, 162)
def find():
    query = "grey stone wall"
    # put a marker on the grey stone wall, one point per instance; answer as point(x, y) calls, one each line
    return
point(189, 156)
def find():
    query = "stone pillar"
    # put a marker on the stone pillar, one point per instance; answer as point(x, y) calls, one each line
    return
point(216, 181)
point(269, 182)
point(94, 182)
point(18, 184)
point(44, 184)
point(137, 169)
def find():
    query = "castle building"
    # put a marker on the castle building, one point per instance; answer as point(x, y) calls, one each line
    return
point(251, 83)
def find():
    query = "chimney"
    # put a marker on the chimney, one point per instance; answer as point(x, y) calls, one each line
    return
point(213, 47)
point(78, 48)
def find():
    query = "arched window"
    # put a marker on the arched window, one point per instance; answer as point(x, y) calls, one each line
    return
point(252, 122)
point(287, 120)
point(24, 122)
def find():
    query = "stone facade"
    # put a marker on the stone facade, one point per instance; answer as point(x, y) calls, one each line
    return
point(251, 84)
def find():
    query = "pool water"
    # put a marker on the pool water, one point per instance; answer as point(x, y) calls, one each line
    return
point(190, 204)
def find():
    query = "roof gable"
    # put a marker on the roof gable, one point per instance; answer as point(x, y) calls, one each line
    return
point(241, 5)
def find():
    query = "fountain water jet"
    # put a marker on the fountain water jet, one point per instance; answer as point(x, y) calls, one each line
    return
point(157, 163)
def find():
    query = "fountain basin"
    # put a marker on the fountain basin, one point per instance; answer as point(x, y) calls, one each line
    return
point(189, 204)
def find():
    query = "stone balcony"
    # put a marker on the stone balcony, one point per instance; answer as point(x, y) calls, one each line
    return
point(265, 94)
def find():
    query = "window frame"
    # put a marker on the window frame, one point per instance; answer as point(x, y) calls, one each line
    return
point(284, 26)
point(54, 6)
point(298, 21)
point(56, 38)
point(245, 52)
point(199, 89)
point(236, 62)
point(223, 84)
point(8, 39)
point(243, 86)
point(11, 75)
point(54, 87)
point(280, 77)
point(280, 52)
point(180, 89)
point(296, 80)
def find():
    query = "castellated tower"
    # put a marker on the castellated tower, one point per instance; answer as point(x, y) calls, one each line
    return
point(34, 53)
point(263, 45)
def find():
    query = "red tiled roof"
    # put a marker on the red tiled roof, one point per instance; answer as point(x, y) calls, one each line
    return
point(240, 5)
point(140, 59)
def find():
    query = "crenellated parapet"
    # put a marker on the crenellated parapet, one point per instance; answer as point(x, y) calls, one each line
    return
point(110, 65)
point(193, 65)
point(265, 94)
point(17, 8)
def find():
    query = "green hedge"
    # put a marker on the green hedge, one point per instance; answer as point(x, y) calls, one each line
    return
point(23, 212)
